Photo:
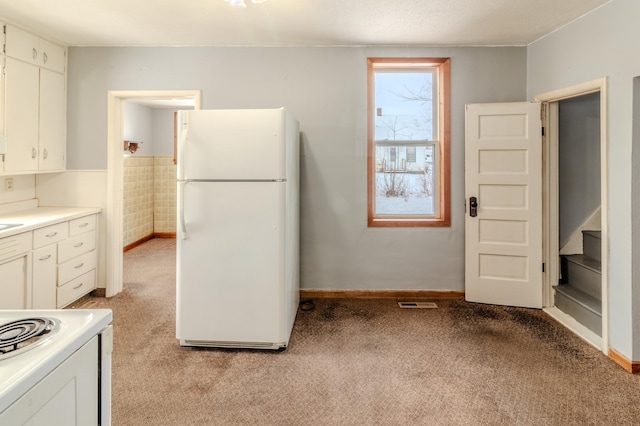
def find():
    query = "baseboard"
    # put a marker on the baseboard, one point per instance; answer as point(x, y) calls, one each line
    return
point(380, 294)
point(147, 238)
point(137, 243)
point(632, 367)
point(164, 235)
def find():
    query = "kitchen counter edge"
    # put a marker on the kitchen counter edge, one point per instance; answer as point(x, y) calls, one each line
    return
point(39, 217)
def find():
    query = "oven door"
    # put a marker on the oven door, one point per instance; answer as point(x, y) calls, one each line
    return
point(77, 392)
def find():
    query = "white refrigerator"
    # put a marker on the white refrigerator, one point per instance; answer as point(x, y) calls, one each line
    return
point(237, 228)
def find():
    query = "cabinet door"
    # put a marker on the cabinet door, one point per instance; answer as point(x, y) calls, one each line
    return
point(52, 141)
point(52, 56)
point(44, 290)
point(14, 283)
point(21, 116)
point(22, 45)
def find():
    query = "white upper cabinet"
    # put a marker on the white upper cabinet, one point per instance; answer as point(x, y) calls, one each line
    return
point(35, 103)
point(34, 50)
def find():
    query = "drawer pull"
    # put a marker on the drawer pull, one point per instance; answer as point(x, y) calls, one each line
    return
point(83, 225)
point(78, 286)
point(78, 245)
point(45, 257)
point(79, 266)
point(52, 234)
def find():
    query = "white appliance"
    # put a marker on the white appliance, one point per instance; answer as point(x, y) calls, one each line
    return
point(238, 220)
point(55, 367)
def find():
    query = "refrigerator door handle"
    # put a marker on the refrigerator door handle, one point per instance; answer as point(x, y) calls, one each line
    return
point(183, 143)
point(183, 225)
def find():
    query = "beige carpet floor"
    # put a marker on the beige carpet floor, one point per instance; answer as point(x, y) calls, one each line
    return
point(359, 362)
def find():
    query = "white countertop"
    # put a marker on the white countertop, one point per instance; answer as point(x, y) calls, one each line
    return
point(36, 217)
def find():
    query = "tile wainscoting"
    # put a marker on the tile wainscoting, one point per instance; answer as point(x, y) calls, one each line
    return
point(149, 197)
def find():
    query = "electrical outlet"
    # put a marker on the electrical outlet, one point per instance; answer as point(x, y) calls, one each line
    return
point(8, 184)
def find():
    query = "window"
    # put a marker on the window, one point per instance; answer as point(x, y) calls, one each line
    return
point(411, 154)
point(408, 142)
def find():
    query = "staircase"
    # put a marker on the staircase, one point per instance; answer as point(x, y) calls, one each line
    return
point(579, 293)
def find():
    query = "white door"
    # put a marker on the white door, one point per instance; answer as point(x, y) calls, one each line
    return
point(503, 237)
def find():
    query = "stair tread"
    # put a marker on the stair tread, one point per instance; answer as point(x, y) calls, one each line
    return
point(594, 234)
point(585, 261)
point(590, 302)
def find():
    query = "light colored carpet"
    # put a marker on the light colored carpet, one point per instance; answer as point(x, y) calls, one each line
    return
point(359, 362)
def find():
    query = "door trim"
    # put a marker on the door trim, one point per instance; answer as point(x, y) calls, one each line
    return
point(115, 161)
point(550, 211)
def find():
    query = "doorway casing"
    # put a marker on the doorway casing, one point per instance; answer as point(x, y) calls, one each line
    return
point(115, 161)
point(551, 247)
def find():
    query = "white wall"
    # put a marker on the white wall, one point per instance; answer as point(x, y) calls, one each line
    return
point(24, 188)
point(325, 88)
point(138, 127)
point(604, 44)
point(163, 132)
point(579, 157)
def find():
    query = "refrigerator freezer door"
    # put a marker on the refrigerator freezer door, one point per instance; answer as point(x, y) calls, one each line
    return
point(231, 267)
point(233, 144)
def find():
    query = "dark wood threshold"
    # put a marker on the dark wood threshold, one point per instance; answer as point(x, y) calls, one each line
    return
point(380, 294)
point(632, 367)
point(147, 238)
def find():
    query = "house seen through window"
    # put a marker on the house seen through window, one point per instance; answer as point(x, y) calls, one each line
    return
point(408, 142)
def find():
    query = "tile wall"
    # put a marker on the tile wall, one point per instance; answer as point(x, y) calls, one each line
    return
point(164, 201)
point(149, 197)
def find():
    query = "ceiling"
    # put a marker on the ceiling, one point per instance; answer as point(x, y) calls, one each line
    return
point(294, 22)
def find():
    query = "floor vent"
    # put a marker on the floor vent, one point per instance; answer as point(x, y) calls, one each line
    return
point(417, 305)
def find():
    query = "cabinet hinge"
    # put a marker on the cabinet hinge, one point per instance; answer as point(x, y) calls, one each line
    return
point(543, 267)
point(543, 131)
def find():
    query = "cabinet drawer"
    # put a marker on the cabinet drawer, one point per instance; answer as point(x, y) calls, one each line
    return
point(75, 246)
point(50, 234)
point(76, 267)
point(82, 224)
point(15, 245)
point(76, 288)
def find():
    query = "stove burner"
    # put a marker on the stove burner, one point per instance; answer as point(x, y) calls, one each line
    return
point(21, 335)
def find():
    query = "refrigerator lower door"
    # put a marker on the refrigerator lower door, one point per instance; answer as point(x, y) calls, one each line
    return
point(231, 265)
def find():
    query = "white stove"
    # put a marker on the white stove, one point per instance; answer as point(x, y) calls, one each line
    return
point(57, 360)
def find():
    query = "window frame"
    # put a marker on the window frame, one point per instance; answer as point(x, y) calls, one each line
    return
point(442, 153)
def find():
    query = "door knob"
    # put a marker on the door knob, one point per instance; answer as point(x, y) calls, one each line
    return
point(473, 207)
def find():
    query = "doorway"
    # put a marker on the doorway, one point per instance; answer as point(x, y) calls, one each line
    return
point(115, 161)
point(570, 168)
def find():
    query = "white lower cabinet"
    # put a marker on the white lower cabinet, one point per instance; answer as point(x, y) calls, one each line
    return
point(45, 269)
point(15, 271)
point(14, 285)
point(64, 262)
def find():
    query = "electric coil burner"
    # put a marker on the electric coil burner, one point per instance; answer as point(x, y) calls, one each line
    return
point(21, 335)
